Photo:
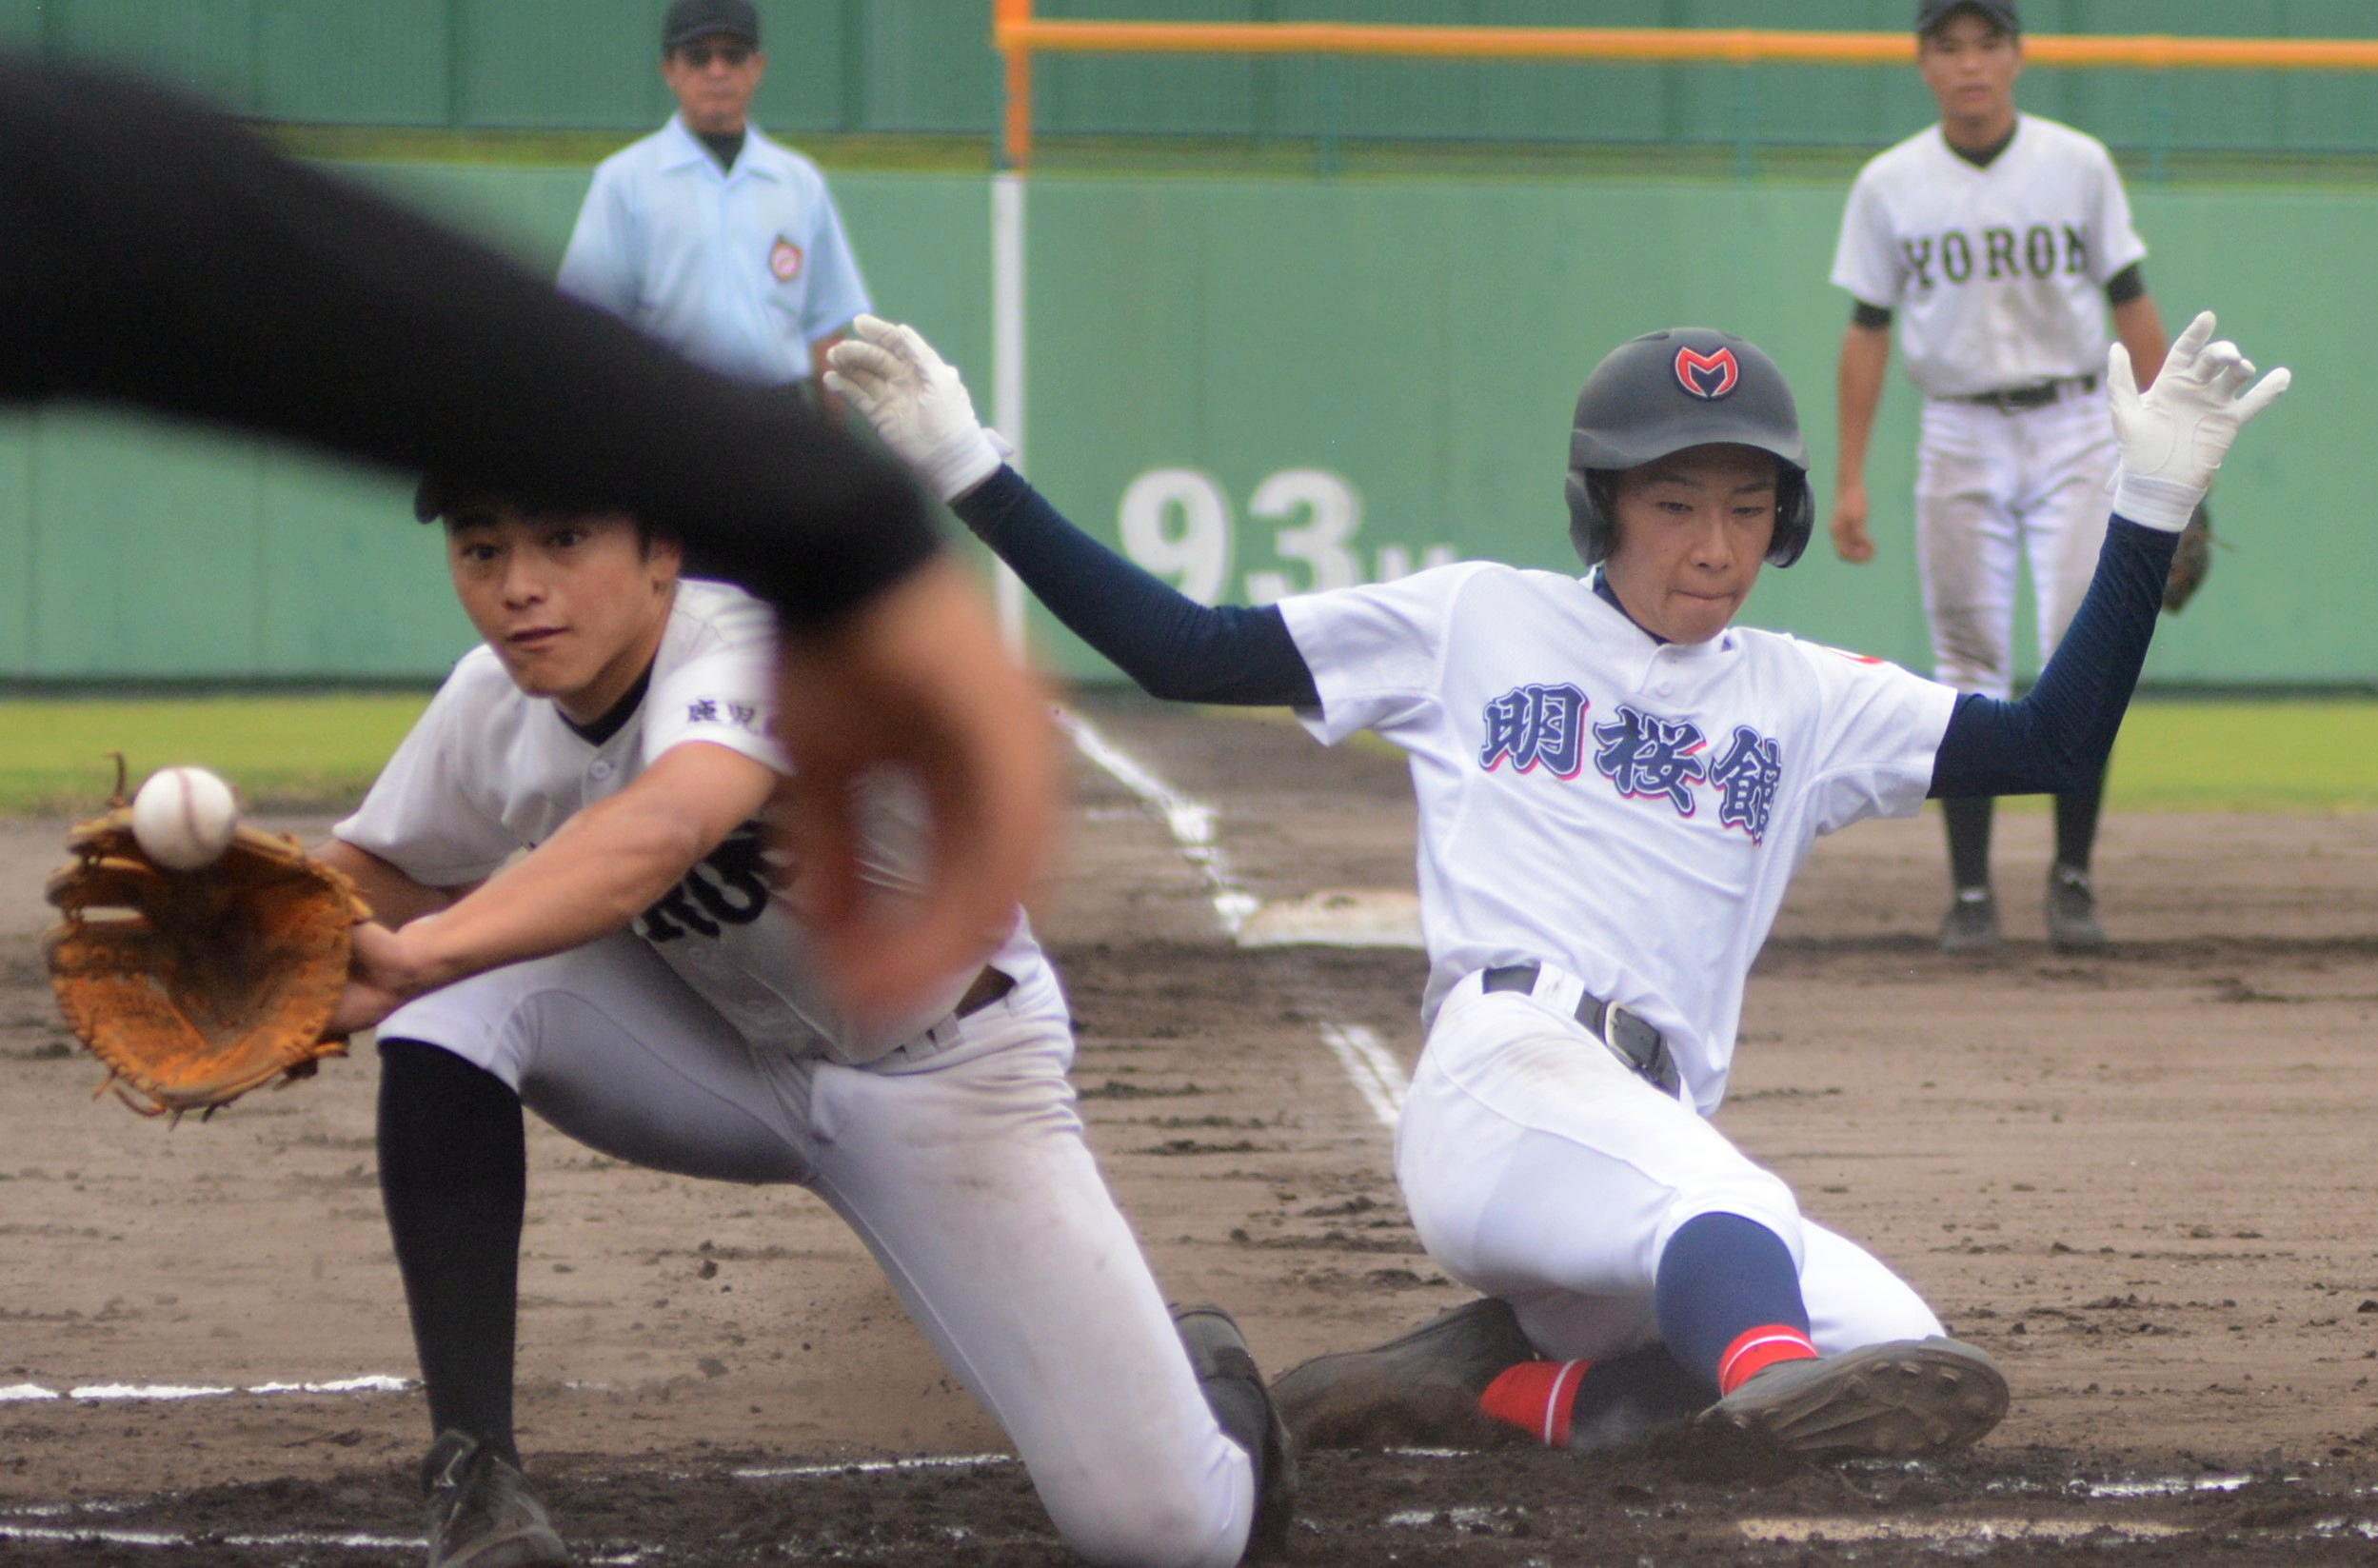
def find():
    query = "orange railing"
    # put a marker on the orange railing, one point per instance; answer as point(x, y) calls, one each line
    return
point(1019, 35)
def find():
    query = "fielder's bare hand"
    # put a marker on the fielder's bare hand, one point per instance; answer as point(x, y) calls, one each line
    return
point(378, 981)
point(2174, 434)
point(915, 679)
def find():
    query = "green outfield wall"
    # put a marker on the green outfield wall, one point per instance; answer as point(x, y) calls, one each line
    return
point(1256, 386)
point(926, 67)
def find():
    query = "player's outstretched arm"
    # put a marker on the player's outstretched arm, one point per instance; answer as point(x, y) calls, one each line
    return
point(395, 898)
point(2173, 437)
point(604, 866)
point(1171, 644)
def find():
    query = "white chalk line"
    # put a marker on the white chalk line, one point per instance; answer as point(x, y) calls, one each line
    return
point(874, 1467)
point(1191, 821)
point(1377, 1077)
point(362, 1541)
point(106, 1393)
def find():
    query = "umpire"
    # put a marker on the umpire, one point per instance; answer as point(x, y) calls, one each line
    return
point(714, 239)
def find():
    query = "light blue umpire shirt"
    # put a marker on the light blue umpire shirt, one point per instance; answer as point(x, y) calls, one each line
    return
point(740, 270)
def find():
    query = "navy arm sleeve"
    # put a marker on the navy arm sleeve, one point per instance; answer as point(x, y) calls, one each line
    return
point(155, 253)
point(2054, 739)
point(1167, 642)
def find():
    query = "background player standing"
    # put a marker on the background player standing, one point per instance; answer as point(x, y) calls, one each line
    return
point(637, 977)
point(1615, 784)
point(1996, 239)
point(708, 236)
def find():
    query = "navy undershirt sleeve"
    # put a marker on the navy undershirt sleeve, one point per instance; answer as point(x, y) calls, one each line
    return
point(1171, 644)
point(2054, 739)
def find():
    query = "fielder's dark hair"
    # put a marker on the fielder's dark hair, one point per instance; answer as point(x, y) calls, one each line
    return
point(440, 499)
point(1998, 13)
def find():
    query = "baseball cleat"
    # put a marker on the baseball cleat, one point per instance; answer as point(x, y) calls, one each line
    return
point(1420, 1388)
point(1971, 924)
point(2072, 913)
point(1907, 1399)
point(1234, 1388)
point(483, 1513)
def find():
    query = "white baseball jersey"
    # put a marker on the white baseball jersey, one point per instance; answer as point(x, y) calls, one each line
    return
point(1627, 810)
point(1997, 275)
point(488, 771)
point(740, 269)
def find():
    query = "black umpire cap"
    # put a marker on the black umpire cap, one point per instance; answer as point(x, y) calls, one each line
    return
point(1931, 13)
point(690, 19)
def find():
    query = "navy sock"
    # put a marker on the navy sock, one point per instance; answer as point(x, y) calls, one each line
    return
point(454, 1178)
point(1728, 1296)
point(2076, 824)
point(1967, 817)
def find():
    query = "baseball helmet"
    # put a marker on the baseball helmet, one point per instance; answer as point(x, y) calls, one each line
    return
point(1666, 392)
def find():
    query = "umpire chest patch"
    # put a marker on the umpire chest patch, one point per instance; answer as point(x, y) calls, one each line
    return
point(784, 259)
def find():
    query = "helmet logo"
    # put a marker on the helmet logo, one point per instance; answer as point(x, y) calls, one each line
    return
point(1708, 376)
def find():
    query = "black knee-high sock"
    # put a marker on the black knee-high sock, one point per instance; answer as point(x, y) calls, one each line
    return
point(2076, 824)
point(1967, 817)
point(455, 1177)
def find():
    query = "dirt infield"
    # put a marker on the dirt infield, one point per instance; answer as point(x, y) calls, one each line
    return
point(2142, 1182)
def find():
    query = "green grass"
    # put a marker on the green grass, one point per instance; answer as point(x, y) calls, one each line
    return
point(279, 752)
point(2220, 756)
point(320, 751)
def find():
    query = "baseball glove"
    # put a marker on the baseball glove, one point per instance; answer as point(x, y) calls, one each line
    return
point(195, 987)
point(2191, 563)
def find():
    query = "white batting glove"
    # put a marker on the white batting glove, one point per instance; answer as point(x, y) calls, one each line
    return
point(2174, 435)
point(917, 403)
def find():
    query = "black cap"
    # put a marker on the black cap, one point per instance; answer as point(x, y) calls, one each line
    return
point(441, 497)
point(1931, 13)
point(690, 19)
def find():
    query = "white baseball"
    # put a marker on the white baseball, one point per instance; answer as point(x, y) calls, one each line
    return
point(183, 818)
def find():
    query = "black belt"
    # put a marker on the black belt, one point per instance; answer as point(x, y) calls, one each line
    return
point(1643, 1048)
point(2038, 395)
point(988, 987)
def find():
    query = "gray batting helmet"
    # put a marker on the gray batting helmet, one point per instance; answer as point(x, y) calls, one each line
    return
point(1686, 386)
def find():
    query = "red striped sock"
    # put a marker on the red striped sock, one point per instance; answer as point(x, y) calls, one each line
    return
point(1757, 1349)
point(1535, 1396)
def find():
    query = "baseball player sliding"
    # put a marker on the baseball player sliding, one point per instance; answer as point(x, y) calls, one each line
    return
point(1615, 784)
point(1999, 241)
point(638, 979)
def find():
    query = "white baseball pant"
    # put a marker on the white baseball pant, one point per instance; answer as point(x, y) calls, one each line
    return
point(960, 1163)
point(1994, 488)
point(1539, 1169)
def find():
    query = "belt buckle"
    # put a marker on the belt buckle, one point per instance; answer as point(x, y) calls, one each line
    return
point(1643, 1048)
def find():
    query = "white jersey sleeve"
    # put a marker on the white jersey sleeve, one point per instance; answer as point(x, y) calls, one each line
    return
point(1377, 652)
point(425, 814)
point(1867, 260)
point(1880, 734)
point(726, 697)
point(2118, 244)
